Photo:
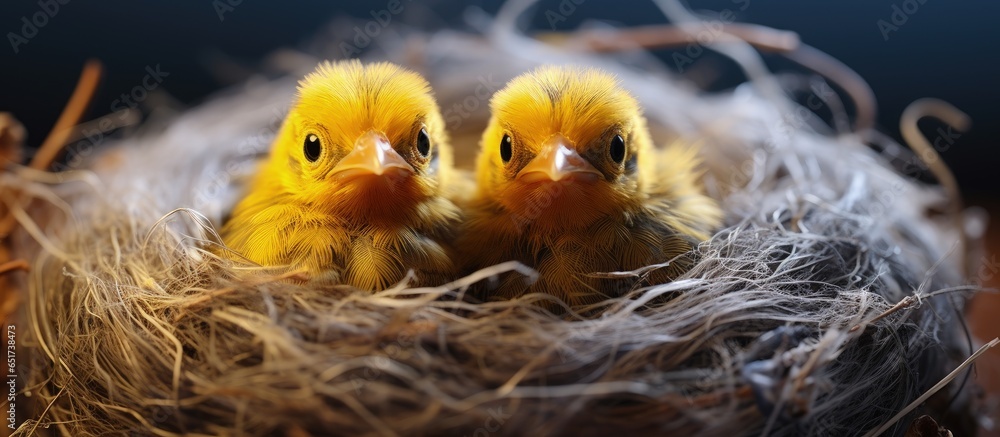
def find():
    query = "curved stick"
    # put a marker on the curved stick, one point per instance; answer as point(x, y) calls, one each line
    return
point(63, 129)
point(78, 102)
point(664, 36)
point(844, 77)
point(932, 159)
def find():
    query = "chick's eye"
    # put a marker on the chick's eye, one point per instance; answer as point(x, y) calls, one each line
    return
point(312, 147)
point(617, 149)
point(505, 150)
point(423, 143)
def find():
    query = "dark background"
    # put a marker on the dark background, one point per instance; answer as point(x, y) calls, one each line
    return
point(945, 49)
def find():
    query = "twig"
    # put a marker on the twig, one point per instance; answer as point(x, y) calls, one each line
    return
point(70, 116)
point(903, 303)
point(34, 426)
point(850, 81)
point(937, 387)
point(63, 129)
point(763, 38)
point(17, 264)
point(925, 152)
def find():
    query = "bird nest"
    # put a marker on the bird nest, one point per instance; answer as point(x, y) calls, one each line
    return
point(831, 299)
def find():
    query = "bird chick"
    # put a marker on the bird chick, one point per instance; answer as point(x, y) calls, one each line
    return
point(569, 183)
point(353, 188)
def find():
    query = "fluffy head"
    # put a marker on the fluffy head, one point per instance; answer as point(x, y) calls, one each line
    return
point(587, 111)
point(343, 105)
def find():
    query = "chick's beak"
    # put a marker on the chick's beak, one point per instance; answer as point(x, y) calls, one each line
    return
point(557, 161)
point(372, 155)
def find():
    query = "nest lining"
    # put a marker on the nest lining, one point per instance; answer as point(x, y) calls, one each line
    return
point(172, 332)
point(781, 327)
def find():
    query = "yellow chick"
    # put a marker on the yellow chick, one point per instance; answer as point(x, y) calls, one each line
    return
point(569, 184)
point(352, 190)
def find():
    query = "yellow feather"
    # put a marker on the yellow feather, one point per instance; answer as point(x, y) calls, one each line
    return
point(303, 210)
point(646, 209)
